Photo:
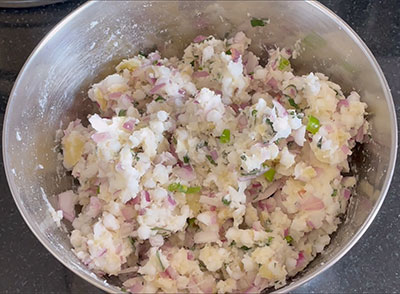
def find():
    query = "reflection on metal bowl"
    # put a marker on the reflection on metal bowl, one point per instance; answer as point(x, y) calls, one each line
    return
point(85, 46)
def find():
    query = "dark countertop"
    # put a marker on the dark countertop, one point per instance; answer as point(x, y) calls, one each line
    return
point(372, 265)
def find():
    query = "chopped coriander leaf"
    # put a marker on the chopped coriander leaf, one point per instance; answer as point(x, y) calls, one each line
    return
point(225, 136)
point(269, 240)
point(257, 22)
point(334, 193)
point(245, 248)
point(193, 190)
point(283, 63)
point(192, 63)
point(251, 173)
point(123, 289)
point(319, 144)
point(211, 160)
point(254, 112)
point(200, 68)
point(186, 159)
point(98, 190)
point(122, 112)
point(191, 221)
point(160, 229)
point(202, 266)
point(233, 243)
point(270, 174)
point(159, 99)
point(243, 157)
point(159, 260)
point(268, 121)
point(228, 52)
point(289, 239)
point(141, 53)
point(226, 202)
point(313, 125)
point(174, 140)
point(292, 103)
point(201, 145)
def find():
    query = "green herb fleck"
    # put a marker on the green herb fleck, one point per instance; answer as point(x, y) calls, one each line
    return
point(319, 144)
point(178, 187)
point(98, 190)
point(292, 103)
point(283, 63)
point(226, 202)
point(132, 241)
point(174, 140)
point(313, 125)
point(159, 260)
point(228, 52)
point(201, 145)
point(245, 248)
point(123, 289)
point(254, 112)
point(202, 266)
point(191, 221)
point(251, 173)
point(269, 240)
point(122, 112)
point(211, 160)
point(225, 136)
point(259, 22)
point(192, 63)
point(193, 190)
point(159, 99)
point(161, 231)
point(233, 243)
point(186, 159)
point(334, 193)
point(289, 239)
point(243, 157)
point(270, 174)
point(268, 121)
point(141, 53)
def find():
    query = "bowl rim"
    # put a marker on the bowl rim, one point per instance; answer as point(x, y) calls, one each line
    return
point(290, 287)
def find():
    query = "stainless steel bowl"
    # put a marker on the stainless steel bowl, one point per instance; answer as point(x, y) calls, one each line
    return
point(83, 48)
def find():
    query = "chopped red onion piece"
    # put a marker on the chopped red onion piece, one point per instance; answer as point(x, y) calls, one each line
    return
point(235, 54)
point(273, 83)
point(346, 194)
point(199, 39)
point(129, 125)
point(214, 154)
point(200, 74)
point(127, 213)
point(101, 137)
point(300, 259)
point(114, 96)
point(343, 102)
point(66, 202)
point(186, 173)
point(171, 200)
point(346, 150)
point(312, 203)
point(157, 88)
